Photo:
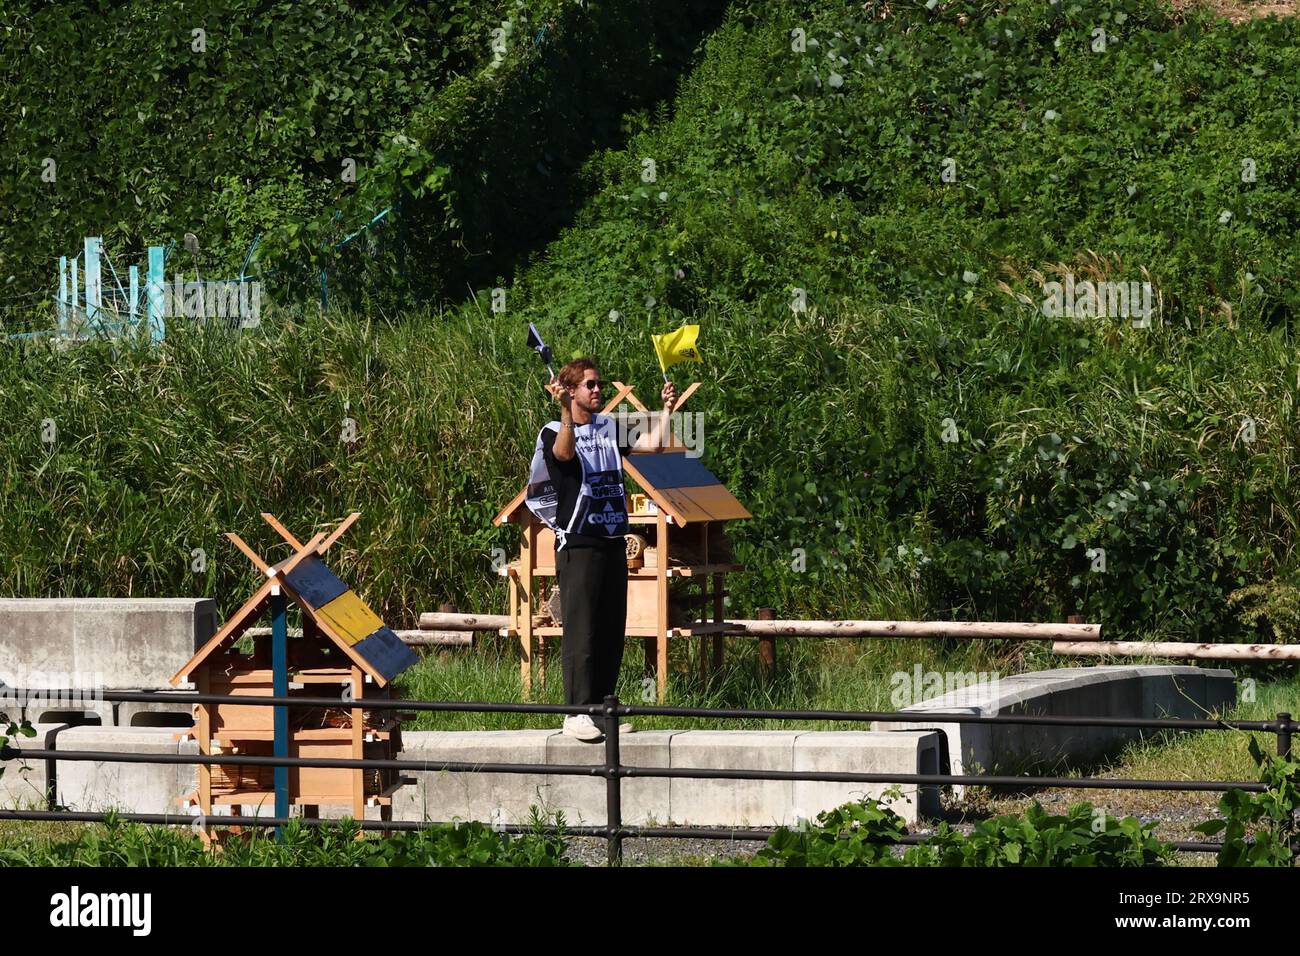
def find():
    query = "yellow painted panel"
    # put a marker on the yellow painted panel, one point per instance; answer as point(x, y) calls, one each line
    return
point(350, 617)
point(717, 501)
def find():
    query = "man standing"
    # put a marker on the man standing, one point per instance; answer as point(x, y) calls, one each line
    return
point(575, 487)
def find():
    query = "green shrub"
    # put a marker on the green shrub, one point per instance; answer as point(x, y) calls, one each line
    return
point(338, 844)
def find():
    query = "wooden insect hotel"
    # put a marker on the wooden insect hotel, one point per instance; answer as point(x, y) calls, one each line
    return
point(344, 647)
point(678, 554)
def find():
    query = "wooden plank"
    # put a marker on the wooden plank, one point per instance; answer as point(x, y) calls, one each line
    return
point(249, 553)
point(506, 514)
point(652, 491)
point(692, 570)
point(204, 730)
point(717, 501)
point(672, 470)
point(314, 584)
point(282, 531)
point(1210, 651)
point(622, 392)
point(682, 398)
point(991, 630)
point(338, 532)
point(449, 621)
point(685, 509)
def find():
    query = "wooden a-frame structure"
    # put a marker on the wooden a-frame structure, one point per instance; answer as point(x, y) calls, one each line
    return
point(343, 643)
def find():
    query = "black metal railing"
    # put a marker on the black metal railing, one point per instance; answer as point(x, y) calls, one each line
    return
point(612, 769)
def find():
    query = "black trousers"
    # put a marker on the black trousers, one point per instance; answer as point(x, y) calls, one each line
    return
point(593, 601)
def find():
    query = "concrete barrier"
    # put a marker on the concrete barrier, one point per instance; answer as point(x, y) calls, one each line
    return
point(489, 797)
point(507, 798)
point(125, 642)
point(132, 787)
point(1109, 691)
point(25, 782)
point(99, 644)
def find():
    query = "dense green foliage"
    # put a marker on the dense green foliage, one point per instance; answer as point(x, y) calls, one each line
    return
point(922, 440)
point(156, 130)
point(866, 834)
point(1259, 829)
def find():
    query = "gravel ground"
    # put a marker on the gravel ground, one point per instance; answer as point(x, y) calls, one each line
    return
point(660, 851)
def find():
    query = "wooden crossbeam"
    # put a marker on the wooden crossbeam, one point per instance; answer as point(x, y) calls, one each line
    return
point(287, 535)
point(252, 555)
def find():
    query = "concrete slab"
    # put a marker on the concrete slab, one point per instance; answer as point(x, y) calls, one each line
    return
point(898, 752)
point(732, 803)
point(116, 643)
point(130, 787)
point(645, 800)
point(1118, 690)
point(489, 797)
point(25, 782)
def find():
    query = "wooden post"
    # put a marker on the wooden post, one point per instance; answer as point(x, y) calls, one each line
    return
point(204, 730)
point(280, 688)
point(703, 641)
point(661, 617)
point(358, 748)
point(767, 645)
point(717, 619)
point(526, 553)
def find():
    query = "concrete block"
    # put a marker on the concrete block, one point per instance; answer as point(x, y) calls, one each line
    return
point(732, 803)
point(24, 783)
point(78, 710)
point(489, 797)
point(130, 787)
point(645, 800)
point(1117, 690)
point(1220, 690)
point(900, 752)
point(164, 711)
point(116, 643)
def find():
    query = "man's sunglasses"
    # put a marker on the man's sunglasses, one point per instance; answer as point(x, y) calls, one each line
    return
point(592, 384)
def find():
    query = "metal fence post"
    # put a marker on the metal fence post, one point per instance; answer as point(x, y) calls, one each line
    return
point(1284, 736)
point(613, 784)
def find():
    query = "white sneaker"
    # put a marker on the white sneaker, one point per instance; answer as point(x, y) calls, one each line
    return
point(582, 727)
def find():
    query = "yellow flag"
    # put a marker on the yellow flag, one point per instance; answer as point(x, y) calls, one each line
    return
point(679, 346)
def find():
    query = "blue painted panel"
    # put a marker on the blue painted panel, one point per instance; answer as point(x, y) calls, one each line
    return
point(386, 653)
point(673, 470)
point(316, 584)
point(280, 687)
